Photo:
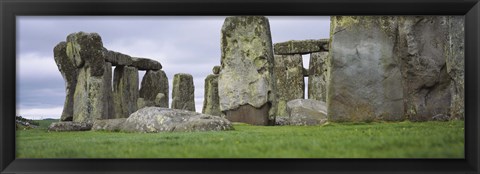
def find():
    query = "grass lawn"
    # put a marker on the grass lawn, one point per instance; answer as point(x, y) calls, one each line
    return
point(334, 140)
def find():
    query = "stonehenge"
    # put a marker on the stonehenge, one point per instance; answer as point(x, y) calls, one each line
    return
point(246, 84)
point(395, 68)
point(92, 93)
point(155, 87)
point(290, 85)
point(211, 102)
point(372, 68)
point(183, 92)
point(317, 76)
point(289, 72)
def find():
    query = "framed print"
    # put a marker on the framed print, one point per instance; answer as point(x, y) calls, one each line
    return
point(239, 86)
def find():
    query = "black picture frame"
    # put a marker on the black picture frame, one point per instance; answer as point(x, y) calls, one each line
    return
point(9, 9)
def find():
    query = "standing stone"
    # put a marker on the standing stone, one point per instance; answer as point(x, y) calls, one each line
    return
point(108, 94)
point(125, 90)
point(153, 83)
point(211, 102)
point(290, 83)
point(455, 64)
point(246, 84)
point(183, 96)
point(69, 73)
point(317, 79)
point(365, 82)
point(86, 49)
point(423, 59)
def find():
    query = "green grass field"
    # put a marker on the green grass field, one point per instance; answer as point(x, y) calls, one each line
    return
point(334, 140)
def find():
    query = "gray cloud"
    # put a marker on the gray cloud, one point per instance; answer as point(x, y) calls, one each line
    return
point(182, 44)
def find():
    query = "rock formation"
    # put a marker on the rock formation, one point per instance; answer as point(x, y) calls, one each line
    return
point(108, 124)
point(125, 90)
point(69, 126)
point(156, 119)
point(455, 64)
point(290, 84)
point(301, 46)
point(317, 76)
point(69, 73)
point(422, 53)
point(306, 112)
point(86, 49)
point(87, 70)
point(246, 84)
point(183, 92)
point(211, 102)
point(365, 80)
point(109, 105)
point(153, 83)
point(391, 68)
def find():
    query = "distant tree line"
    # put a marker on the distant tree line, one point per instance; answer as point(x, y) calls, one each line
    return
point(25, 122)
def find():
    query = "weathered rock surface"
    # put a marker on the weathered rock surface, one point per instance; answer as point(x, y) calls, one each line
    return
point(183, 92)
point(86, 51)
point(290, 84)
point(141, 103)
point(125, 90)
point(108, 92)
point(216, 69)
point(369, 53)
point(108, 124)
point(161, 100)
point(306, 112)
point(156, 119)
point(317, 79)
point(300, 46)
point(69, 126)
point(455, 64)
point(146, 64)
point(251, 115)
point(211, 102)
point(154, 82)
point(117, 59)
point(365, 82)
point(246, 78)
point(69, 73)
point(422, 54)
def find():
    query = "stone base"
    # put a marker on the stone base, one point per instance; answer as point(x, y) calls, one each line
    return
point(249, 114)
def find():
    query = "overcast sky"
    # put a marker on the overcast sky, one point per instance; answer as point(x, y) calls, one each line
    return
point(182, 44)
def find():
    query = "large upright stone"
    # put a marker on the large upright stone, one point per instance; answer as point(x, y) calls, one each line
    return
point(290, 84)
point(246, 85)
point(86, 51)
point(455, 64)
point(211, 102)
point(125, 90)
point(153, 83)
point(183, 92)
point(422, 54)
point(365, 82)
point(108, 92)
point(69, 73)
point(317, 76)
